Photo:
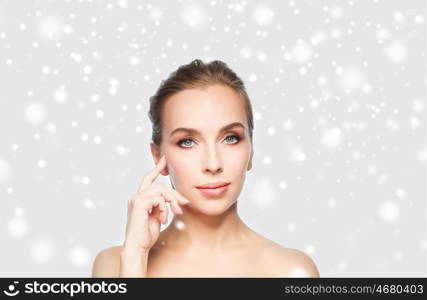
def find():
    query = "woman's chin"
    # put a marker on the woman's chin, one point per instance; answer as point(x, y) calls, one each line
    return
point(210, 207)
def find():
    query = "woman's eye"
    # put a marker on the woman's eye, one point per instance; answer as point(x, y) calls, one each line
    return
point(234, 136)
point(183, 141)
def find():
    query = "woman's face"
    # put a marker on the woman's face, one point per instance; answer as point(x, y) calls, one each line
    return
point(207, 154)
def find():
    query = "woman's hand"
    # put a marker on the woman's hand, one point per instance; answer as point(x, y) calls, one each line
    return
point(147, 209)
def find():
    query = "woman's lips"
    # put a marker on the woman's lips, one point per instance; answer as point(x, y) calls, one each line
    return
point(217, 192)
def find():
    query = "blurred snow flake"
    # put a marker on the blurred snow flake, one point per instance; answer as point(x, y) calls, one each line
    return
point(67, 29)
point(298, 154)
point(88, 203)
point(263, 194)
point(336, 33)
point(292, 226)
point(41, 163)
point(18, 227)
point(382, 178)
point(336, 12)
point(99, 113)
point(261, 56)
point(97, 139)
point(398, 255)
point(5, 170)
point(301, 52)
point(331, 138)
point(288, 125)
point(46, 70)
point(419, 19)
point(76, 57)
point(396, 52)
point(122, 150)
point(122, 3)
point(421, 154)
point(41, 250)
point(400, 193)
point(266, 160)
point(310, 249)
point(318, 38)
point(179, 225)
point(382, 34)
point(342, 265)
point(193, 15)
point(332, 202)
point(87, 69)
point(389, 211)
point(19, 212)
point(263, 14)
point(113, 85)
point(245, 52)
point(271, 130)
point(84, 136)
point(252, 77)
point(85, 180)
point(156, 13)
point(398, 16)
point(352, 78)
point(50, 27)
point(79, 255)
point(134, 60)
point(237, 7)
point(35, 113)
point(414, 123)
point(417, 106)
point(95, 98)
point(283, 185)
point(50, 127)
point(297, 272)
point(392, 123)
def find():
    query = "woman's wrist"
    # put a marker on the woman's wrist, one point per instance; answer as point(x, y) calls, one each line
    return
point(128, 250)
point(133, 262)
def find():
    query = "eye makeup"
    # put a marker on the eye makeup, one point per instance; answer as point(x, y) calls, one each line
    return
point(236, 137)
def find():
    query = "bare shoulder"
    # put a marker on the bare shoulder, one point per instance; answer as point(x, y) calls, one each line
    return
point(298, 263)
point(107, 262)
point(288, 262)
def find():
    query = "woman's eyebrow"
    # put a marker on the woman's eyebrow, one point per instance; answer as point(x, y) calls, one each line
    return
point(195, 131)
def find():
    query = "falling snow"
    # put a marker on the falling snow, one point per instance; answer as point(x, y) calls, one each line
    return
point(79, 256)
point(338, 92)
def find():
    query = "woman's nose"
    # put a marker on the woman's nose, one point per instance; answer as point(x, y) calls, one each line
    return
point(212, 161)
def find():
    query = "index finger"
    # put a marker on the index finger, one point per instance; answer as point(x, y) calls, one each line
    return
point(152, 175)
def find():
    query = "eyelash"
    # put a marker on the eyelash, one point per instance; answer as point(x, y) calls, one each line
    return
point(238, 138)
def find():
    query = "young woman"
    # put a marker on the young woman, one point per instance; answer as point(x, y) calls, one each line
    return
point(202, 139)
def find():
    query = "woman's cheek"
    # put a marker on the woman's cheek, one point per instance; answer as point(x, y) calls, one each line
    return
point(174, 171)
point(171, 169)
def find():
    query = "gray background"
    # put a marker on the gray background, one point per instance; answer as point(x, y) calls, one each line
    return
point(339, 94)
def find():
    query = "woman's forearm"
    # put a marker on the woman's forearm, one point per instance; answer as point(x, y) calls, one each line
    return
point(133, 263)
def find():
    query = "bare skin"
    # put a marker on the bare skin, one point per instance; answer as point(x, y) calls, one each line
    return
point(261, 257)
point(208, 239)
point(250, 255)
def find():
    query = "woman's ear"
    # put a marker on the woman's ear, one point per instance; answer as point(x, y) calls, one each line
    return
point(155, 151)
